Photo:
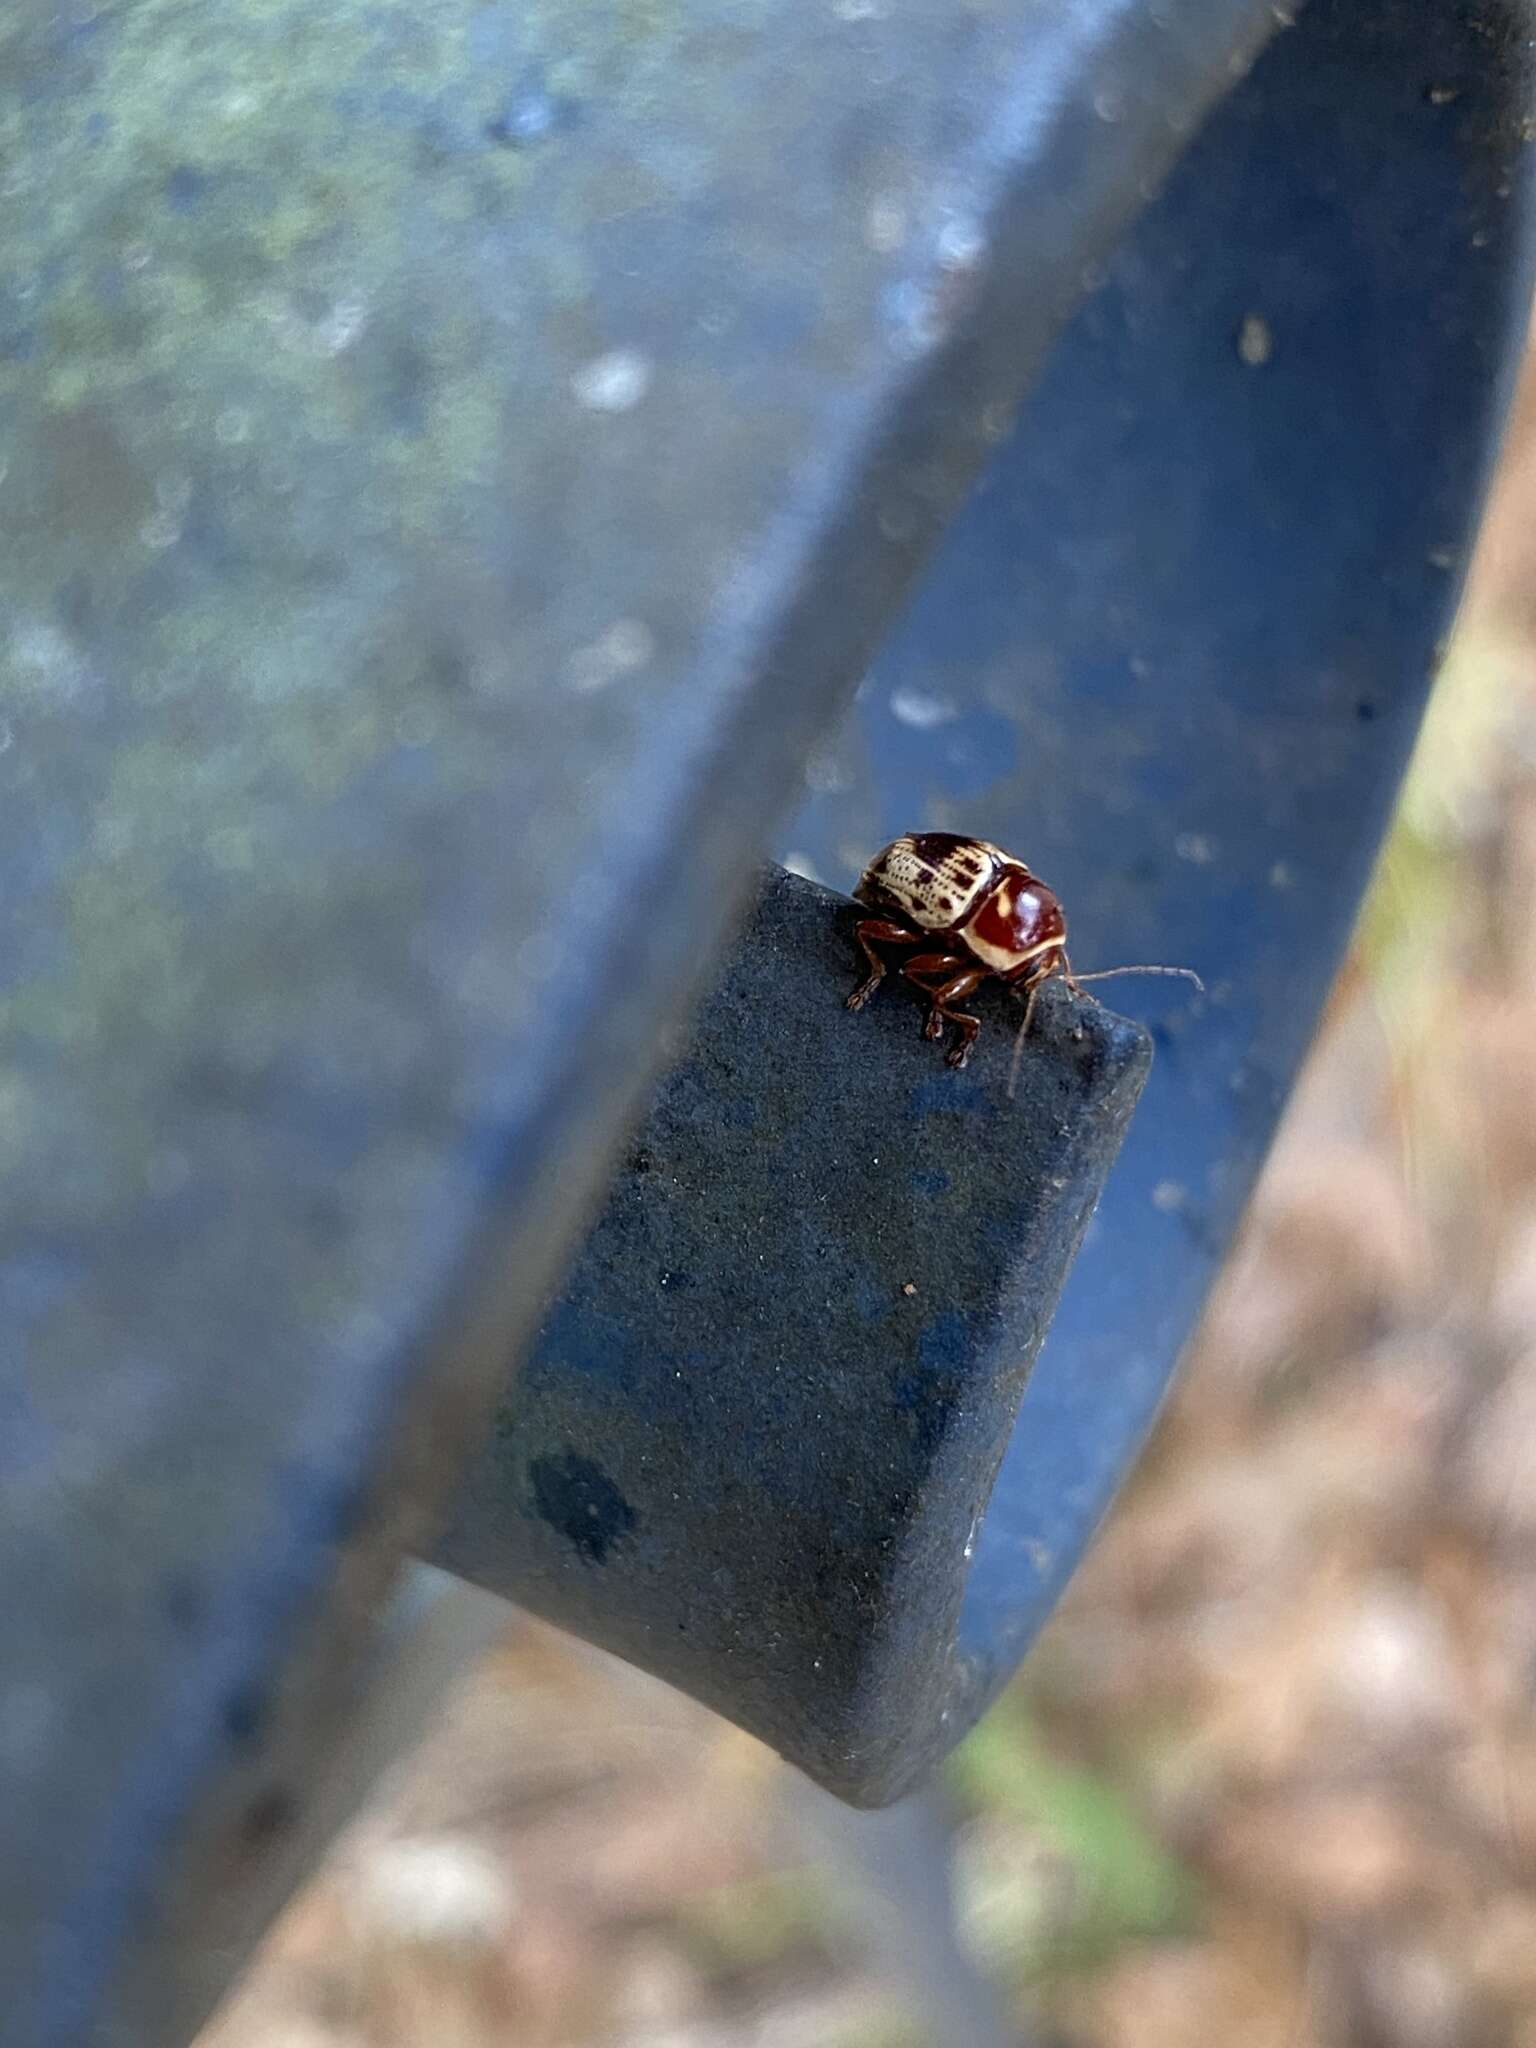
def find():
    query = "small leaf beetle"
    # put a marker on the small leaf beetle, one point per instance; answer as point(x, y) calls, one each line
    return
point(988, 916)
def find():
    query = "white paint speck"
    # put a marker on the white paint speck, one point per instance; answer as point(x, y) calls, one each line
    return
point(921, 710)
point(1109, 105)
point(1168, 1196)
point(138, 256)
point(627, 645)
point(342, 325)
point(232, 426)
point(48, 660)
point(1255, 341)
point(614, 382)
point(1280, 876)
point(918, 317)
point(859, 10)
point(961, 244)
point(1197, 847)
point(7, 736)
point(161, 532)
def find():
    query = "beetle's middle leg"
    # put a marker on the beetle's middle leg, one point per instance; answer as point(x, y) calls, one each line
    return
point(956, 980)
point(866, 931)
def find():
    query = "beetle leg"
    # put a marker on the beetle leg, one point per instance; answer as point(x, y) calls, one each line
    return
point(888, 934)
point(924, 971)
point(955, 990)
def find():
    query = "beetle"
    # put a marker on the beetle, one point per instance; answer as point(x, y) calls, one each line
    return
point(981, 914)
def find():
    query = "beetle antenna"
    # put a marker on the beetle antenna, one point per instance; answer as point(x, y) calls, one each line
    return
point(1018, 1041)
point(1109, 973)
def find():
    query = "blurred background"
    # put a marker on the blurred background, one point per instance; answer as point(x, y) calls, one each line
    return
point(1270, 1775)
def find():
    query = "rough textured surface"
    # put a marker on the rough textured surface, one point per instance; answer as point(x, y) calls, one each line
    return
point(453, 459)
point(756, 1436)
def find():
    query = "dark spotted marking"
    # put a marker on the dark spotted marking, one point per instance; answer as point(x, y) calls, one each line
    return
point(935, 847)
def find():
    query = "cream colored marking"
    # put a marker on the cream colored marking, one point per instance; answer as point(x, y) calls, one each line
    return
point(1003, 959)
point(921, 887)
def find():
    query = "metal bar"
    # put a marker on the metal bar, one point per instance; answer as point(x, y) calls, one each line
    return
point(455, 460)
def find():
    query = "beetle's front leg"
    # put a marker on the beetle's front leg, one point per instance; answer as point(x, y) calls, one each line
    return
point(867, 931)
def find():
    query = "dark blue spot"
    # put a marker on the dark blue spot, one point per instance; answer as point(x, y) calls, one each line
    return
point(578, 1499)
point(929, 1395)
point(929, 1180)
point(244, 1712)
point(948, 1090)
point(185, 187)
point(184, 1602)
point(870, 1300)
